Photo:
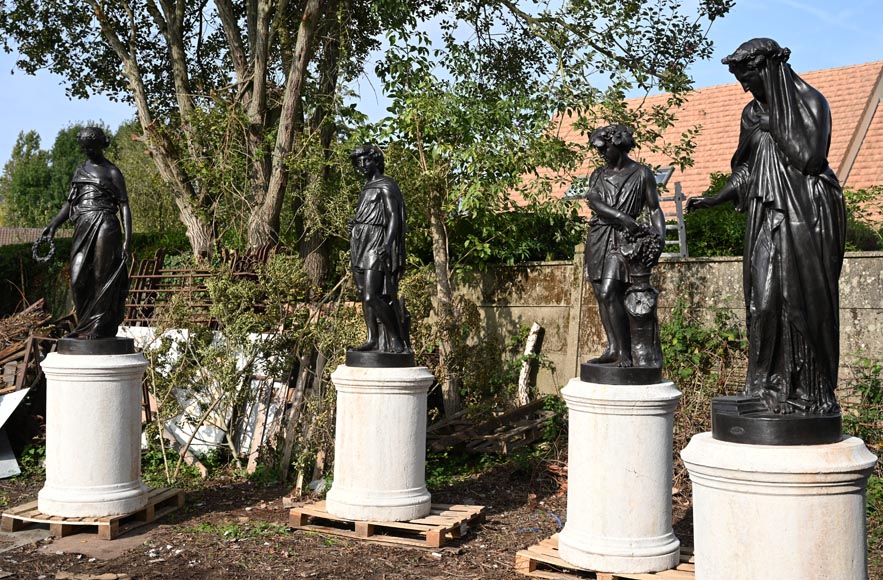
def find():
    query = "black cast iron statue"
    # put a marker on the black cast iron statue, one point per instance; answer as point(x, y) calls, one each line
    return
point(100, 249)
point(619, 255)
point(377, 258)
point(794, 245)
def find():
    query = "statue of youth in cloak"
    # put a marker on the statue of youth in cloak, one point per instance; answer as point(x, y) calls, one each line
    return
point(377, 254)
point(620, 251)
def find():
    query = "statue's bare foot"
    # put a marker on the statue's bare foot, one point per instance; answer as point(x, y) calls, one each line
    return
point(397, 346)
point(606, 357)
point(367, 346)
point(625, 362)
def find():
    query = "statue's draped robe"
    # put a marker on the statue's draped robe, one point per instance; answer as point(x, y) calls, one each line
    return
point(624, 191)
point(794, 243)
point(99, 281)
point(370, 228)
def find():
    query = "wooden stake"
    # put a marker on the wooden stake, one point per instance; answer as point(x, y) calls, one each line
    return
point(524, 377)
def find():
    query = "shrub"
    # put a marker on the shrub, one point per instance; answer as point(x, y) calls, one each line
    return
point(719, 231)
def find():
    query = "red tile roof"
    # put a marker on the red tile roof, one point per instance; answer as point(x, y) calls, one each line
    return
point(868, 167)
point(851, 92)
point(9, 236)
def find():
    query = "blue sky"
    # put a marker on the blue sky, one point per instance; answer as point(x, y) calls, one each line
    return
point(820, 33)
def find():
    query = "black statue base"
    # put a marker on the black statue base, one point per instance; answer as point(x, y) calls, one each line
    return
point(112, 345)
point(614, 375)
point(742, 419)
point(375, 359)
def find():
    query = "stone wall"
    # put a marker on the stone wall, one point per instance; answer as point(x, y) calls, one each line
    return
point(555, 295)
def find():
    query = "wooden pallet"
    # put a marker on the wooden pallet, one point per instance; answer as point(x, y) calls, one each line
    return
point(160, 501)
point(542, 561)
point(444, 522)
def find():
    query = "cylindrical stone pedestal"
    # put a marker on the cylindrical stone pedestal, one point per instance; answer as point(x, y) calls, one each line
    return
point(380, 444)
point(619, 477)
point(779, 512)
point(93, 435)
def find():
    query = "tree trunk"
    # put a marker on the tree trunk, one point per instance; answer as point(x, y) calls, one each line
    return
point(263, 223)
point(445, 304)
point(314, 248)
point(200, 233)
point(199, 230)
point(314, 252)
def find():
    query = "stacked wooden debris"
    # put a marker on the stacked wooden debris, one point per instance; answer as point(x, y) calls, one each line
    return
point(22, 341)
point(503, 433)
point(152, 285)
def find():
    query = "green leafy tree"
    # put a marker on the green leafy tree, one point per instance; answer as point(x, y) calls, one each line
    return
point(255, 82)
point(863, 210)
point(720, 231)
point(471, 118)
point(28, 200)
point(151, 199)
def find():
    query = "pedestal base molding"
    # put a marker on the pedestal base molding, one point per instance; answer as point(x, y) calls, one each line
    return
point(620, 477)
point(93, 435)
point(380, 444)
point(779, 512)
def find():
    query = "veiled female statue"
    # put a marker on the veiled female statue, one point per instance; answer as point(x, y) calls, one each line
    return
point(794, 242)
point(100, 246)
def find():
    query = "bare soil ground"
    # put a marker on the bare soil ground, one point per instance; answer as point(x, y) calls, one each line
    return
point(235, 529)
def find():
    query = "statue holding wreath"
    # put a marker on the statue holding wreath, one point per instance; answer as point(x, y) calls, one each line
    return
point(100, 245)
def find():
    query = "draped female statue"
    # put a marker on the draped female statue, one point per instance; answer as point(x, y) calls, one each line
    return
point(794, 242)
point(100, 245)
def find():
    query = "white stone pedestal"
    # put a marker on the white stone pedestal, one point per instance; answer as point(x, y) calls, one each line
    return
point(380, 444)
point(619, 477)
point(779, 512)
point(93, 435)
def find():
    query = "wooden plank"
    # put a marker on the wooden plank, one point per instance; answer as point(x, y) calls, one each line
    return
point(432, 531)
point(257, 433)
point(543, 561)
point(9, 524)
point(364, 529)
point(407, 526)
point(456, 507)
point(435, 538)
point(524, 564)
point(319, 514)
point(297, 518)
point(433, 520)
point(376, 539)
point(30, 506)
point(160, 502)
point(453, 513)
point(548, 555)
point(62, 530)
point(664, 575)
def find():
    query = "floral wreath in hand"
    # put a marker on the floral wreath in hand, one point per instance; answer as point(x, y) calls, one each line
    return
point(35, 248)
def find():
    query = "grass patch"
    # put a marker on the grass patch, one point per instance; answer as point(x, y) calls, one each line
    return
point(241, 531)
